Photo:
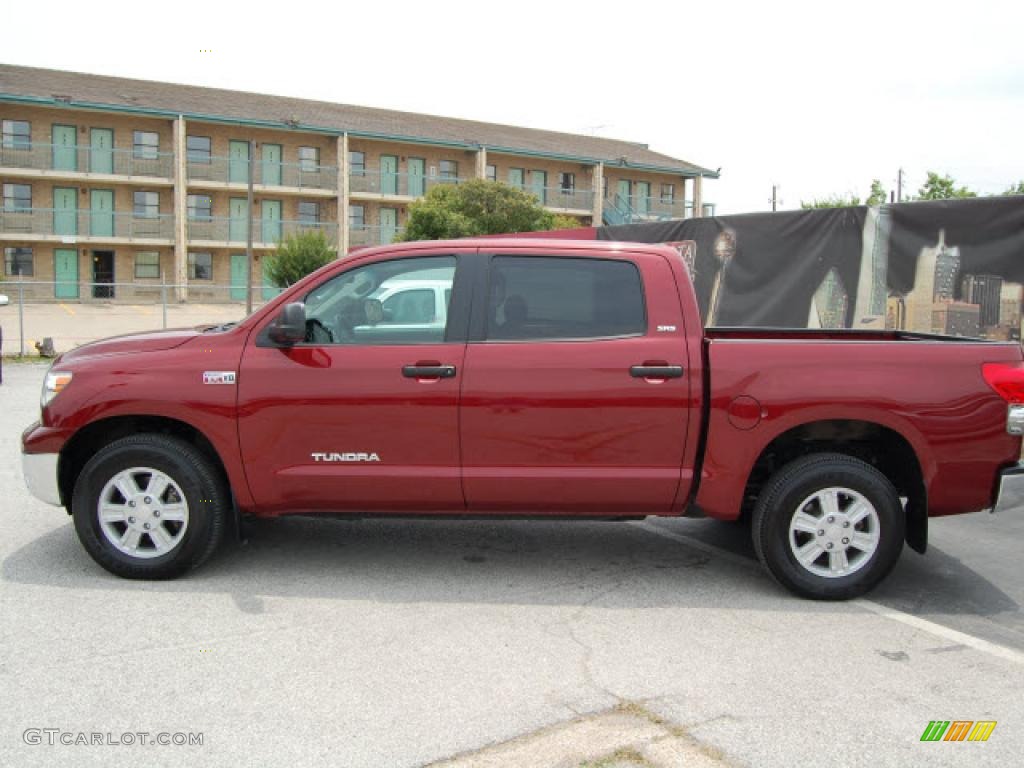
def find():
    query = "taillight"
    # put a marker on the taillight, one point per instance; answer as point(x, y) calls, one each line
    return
point(1007, 379)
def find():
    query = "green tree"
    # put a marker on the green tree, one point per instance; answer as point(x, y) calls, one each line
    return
point(1016, 189)
point(832, 201)
point(298, 255)
point(877, 196)
point(478, 207)
point(938, 187)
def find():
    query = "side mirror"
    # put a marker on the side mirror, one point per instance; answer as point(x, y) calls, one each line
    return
point(290, 326)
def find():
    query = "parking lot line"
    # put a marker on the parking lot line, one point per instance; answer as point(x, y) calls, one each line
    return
point(934, 628)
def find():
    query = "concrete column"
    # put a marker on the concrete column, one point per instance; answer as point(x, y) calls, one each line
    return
point(481, 163)
point(343, 190)
point(180, 276)
point(698, 196)
point(598, 215)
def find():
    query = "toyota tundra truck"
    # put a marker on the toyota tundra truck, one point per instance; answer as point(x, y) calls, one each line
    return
point(533, 378)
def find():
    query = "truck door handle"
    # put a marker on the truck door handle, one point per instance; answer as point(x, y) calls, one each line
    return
point(656, 371)
point(428, 371)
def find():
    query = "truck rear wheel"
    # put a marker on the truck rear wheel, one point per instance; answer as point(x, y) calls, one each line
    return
point(828, 526)
point(149, 507)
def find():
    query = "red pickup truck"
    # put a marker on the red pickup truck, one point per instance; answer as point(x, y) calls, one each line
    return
point(532, 378)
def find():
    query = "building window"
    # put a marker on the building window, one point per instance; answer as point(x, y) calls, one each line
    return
point(17, 134)
point(357, 163)
point(147, 264)
point(199, 149)
point(200, 207)
point(309, 158)
point(17, 197)
point(668, 193)
point(200, 266)
point(449, 169)
point(146, 145)
point(356, 217)
point(309, 213)
point(492, 173)
point(18, 262)
point(567, 182)
point(516, 177)
point(146, 205)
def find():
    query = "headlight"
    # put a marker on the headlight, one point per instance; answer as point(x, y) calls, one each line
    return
point(54, 384)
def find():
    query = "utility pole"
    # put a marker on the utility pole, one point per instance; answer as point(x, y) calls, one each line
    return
point(248, 230)
point(899, 186)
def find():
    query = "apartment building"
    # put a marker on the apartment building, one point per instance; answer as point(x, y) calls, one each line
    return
point(109, 181)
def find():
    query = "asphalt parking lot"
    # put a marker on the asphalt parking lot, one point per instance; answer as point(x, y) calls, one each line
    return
point(397, 643)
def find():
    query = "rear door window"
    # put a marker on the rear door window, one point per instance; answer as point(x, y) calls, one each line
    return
point(536, 298)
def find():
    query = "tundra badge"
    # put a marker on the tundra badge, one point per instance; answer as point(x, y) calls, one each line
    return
point(345, 457)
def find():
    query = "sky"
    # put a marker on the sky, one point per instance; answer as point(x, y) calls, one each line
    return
point(815, 98)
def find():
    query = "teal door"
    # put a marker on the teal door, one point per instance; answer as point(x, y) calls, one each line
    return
point(515, 177)
point(270, 164)
point(270, 290)
point(642, 200)
point(101, 150)
point(624, 192)
point(239, 276)
point(239, 213)
point(416, 166)
point(65, 156)
point(65, 273)
point(65, 211)
point(538, 184)
point(238, 161)
point(388, 225)
point(101, 213)
point(388, 175)
point(270, 211)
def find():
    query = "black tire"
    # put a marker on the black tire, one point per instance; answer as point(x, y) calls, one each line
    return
point(782, 498)
point(205, 493)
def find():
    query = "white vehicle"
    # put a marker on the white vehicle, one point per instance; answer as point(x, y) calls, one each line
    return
point(413, 303)
point(3, 300)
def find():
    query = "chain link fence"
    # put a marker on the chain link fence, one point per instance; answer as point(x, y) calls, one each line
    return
point(75, 313)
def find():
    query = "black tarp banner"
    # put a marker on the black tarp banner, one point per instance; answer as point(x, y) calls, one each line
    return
point(950, 266)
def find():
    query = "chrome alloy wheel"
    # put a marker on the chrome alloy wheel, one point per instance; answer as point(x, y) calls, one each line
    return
point(142, 512)
point(834, 532)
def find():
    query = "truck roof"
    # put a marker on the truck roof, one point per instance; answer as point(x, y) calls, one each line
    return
point(520, 243)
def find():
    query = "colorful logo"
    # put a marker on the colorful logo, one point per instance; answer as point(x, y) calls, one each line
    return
point(958, 730)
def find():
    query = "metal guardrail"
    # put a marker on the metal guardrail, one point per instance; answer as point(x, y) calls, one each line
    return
point(562, 199)
point(85, 223)
point(87, 159)
point(151, 296)
point(219, 229)
point(229, 170)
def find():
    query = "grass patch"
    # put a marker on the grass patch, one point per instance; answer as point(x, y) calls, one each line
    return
point(626, 755)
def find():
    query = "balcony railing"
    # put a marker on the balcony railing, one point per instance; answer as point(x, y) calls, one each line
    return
point(661, 208)
point(272, 174)
point(376, 235)
point(403, 184)
point(563, 198)
point(264, 231)
point(84, 159)
point(38, 222)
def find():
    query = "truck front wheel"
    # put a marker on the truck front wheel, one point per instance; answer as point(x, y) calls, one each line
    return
point(828, 526)
point(149, 507)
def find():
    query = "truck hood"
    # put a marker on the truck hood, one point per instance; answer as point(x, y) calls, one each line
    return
point(151, 341)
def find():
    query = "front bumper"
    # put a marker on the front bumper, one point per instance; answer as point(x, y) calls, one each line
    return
point(1010, 494)
point(40, 470)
